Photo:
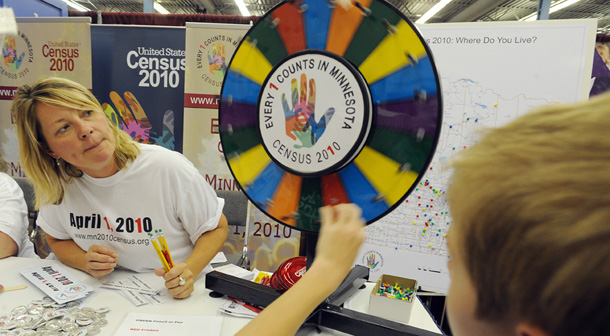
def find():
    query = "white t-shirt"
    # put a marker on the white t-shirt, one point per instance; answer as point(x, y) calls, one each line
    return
point(159, 190)
point(14, 216)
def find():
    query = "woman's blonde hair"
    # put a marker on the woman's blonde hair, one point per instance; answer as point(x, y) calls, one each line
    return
point(3, 165)
point(530, 204)
point(47, 174)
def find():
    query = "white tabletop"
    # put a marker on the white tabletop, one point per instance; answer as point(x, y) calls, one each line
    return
point(199, 303)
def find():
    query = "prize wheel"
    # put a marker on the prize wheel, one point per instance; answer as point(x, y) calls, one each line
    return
point(324, 104)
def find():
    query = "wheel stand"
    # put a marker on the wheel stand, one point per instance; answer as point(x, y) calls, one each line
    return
point(330, 313)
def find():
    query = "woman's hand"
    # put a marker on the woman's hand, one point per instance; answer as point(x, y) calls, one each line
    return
point(180, 272)
point(100, 261)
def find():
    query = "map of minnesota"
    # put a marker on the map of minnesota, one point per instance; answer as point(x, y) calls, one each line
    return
point(421, 223)
point(489, 76)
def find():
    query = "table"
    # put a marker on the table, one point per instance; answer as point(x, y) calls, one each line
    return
point(199, 303)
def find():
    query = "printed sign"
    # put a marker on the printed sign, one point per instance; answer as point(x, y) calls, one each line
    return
point(314, 113)
point(56, 282)
point(141, 80)
point(42, 47)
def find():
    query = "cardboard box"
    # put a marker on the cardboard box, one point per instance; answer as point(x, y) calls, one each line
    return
point(391, 308)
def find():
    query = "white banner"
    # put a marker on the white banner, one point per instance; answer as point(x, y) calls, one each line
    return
point(209, 48)
point(42, 47)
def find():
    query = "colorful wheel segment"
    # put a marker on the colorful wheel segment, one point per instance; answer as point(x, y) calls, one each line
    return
point(324, 105)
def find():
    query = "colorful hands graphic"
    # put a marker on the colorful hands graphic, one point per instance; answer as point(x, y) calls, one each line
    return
point(216, 59)
point(370, 261)
point(166, 139)
point(132, 119)
point(301, 121)
point(9, 52)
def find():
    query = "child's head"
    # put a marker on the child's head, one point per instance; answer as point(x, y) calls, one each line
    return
point(531, 225)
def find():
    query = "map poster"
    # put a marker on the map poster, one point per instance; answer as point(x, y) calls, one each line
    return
point(490, 74)
point(42, 47)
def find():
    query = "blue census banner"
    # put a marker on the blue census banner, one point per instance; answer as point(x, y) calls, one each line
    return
point(138, 77)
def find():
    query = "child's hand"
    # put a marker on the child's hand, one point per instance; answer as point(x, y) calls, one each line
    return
point(340, 238)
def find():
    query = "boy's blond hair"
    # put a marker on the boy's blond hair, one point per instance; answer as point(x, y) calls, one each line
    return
point(531, 205)
point(46, 175)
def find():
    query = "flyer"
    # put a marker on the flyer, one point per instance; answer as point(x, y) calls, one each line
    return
point(56, 282)
point(154, 324)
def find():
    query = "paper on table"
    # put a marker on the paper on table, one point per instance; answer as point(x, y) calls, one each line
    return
point(235, 309)
point(136, 290)
point(56, 282)
point(154, 324)
point(235, 271)
point(219, 258)
point(133, 282)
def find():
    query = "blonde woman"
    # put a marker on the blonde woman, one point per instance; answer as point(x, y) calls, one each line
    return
point(101, 194)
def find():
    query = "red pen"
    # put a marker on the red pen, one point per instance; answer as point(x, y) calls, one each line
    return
point(252, 308)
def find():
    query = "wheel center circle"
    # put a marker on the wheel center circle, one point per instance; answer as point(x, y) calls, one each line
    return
point(314, 113)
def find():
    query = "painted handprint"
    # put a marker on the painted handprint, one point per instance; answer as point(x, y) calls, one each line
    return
point(166, 138)
point(132, 119)
point(370, 261)
point(317, 128)
point(9, 52)
point(216, 59)
point(301, 121)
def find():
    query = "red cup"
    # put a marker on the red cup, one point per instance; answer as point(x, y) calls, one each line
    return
point(288, 273)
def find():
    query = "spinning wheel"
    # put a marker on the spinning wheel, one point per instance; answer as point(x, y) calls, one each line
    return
point(324, 105)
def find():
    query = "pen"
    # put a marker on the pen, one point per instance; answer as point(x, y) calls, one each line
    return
point(252, 308)
point(159, 253)
point(164, 254)
point(165, 248)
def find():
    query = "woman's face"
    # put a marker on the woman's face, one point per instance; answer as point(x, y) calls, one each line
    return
point(81, 138)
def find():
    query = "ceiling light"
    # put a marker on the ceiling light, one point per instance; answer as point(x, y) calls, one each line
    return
point(76, 6)
point(554, 8)
point(562, 5)
point(435, 9)
point(242, 7)
point(160, 8)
